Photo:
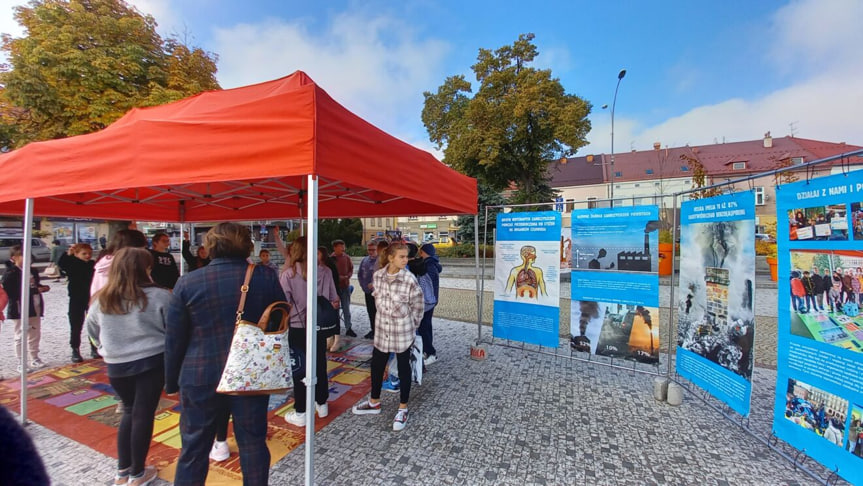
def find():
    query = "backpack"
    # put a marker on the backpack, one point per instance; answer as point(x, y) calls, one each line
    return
point(429, 299)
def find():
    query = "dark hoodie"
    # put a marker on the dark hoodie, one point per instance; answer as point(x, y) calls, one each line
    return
point(433, 267)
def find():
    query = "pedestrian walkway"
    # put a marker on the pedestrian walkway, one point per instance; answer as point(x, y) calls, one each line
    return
point(517, 418)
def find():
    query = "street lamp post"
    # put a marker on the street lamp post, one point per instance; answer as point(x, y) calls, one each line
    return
point(620, 76)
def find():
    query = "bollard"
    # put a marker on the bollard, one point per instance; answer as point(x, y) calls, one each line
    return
point(478, 352)
point(675, 394)
point(660, 388)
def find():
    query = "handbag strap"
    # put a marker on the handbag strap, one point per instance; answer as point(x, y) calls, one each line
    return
point(244, 290)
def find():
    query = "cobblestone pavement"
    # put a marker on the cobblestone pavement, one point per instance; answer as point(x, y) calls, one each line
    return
point(520, 417)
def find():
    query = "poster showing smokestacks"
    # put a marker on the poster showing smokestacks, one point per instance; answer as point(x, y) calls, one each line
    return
point(615, 284)
point(715, 319)
point(527, 278)
point(819, 374)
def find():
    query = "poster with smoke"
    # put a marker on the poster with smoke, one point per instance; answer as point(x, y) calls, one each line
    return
point(819, 374)
point(527, 278)
point(615, 284)
point(715, 319)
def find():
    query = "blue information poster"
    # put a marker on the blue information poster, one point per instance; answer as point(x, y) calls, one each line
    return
point(715, 319)
point(527, 278)
point(615, 284)
point(819, 387)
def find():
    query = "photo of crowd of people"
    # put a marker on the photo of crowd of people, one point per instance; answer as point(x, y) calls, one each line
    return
point(818, 223)
point(817, 411)
point(857, 220)
point(826, 291)
point(854, 442)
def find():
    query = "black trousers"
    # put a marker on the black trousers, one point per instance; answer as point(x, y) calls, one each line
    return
point(140, 395)
point(379, 363)
point(372, 310)
point(77, 313)
point(297, 339)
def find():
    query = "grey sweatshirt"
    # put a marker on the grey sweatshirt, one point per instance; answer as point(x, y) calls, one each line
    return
point(122, 338)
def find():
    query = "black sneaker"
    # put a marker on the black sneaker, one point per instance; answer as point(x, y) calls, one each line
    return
point(350, 333)
point(369, 335)
point(76, 356)
point(95, 354)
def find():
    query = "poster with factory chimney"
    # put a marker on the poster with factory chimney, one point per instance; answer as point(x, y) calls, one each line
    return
point(715, 316)
point(615, 284)
point(819, 387)
point(527, 278)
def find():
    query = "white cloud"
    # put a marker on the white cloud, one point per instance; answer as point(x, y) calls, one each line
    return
point(816, 40)
point(8, 25)
point(161, 10)
point(374, 65)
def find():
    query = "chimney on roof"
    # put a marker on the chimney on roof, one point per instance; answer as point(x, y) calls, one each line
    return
point(656, 145)
point(563, 160)
point(768, 140)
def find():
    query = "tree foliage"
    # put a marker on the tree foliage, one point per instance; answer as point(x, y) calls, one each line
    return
point(700, 178)
point(519, 119)
point(487, 197)
point(82, 64)
point(350, 230)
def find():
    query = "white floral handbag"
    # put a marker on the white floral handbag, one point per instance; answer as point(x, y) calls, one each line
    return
point(259, 362)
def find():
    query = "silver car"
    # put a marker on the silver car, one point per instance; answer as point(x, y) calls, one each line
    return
point(41, 252)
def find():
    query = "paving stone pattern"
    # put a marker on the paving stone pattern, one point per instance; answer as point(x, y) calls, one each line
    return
point(520, 417)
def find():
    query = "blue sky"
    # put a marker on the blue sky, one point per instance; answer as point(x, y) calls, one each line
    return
point(697, 72)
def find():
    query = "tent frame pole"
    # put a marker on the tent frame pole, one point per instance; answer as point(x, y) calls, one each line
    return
point(27, 247)
point(480, 276)
point(311, 320)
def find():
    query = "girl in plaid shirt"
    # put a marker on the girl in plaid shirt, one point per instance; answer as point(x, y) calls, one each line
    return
point(399, 302)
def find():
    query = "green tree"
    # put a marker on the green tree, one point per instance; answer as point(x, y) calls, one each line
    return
point(350, 230)
point(487, 197)
point(82, 64)
point(700, 178)
point(828, 261)
point(519, 119)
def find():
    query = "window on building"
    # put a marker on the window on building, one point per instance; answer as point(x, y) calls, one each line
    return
point(636, 185)
point(759, 196)
point(413, 236)
point(684, 168)
point(380, 224)
point(412, 218)
point(441, 218)
point(648, 171)
point(443, 236)
point(591, 202)
point(656, 184)
point(618, 174)
point(796, 160)
point(646, 201)
point(738, 165)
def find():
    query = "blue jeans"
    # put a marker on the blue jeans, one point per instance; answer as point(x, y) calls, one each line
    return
point(201, 407)
point(811, 302)
point(345, 298)
point(797, 303)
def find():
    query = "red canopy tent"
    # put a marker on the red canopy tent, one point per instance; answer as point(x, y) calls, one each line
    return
point(275, 150)
point(238, 154)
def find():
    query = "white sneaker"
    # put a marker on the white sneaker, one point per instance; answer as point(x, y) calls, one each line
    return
point(431, 359)
point(323, 410)
point(400, 419)
point(220, 451)
point(297, 419)
point(18, 369)
point(36, 364)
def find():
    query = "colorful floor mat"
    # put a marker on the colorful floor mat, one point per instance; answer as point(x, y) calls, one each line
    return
point(835, 328)
point(78, 402)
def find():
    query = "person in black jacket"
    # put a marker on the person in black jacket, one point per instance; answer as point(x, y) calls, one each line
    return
point(165, 271)
point(12, 286)
point(201, 260)
point(820, 287)
point(78, 265)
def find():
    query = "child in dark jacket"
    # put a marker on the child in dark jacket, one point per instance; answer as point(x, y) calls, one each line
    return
point(79, 267)
point(12, 285)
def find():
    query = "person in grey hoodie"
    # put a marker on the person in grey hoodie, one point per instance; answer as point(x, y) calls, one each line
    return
point(126, 322)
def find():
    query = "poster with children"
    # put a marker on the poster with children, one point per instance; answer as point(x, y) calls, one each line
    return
point(819, 388)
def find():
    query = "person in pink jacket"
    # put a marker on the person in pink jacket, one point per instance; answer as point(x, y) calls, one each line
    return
point(121, 239)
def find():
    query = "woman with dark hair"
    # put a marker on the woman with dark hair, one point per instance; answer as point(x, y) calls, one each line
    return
point(122, 239)
point(201, 320)
point(126, 322)
point(324, 260)
point(293, 281)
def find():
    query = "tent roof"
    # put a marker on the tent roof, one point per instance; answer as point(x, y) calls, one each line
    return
point(237, 154)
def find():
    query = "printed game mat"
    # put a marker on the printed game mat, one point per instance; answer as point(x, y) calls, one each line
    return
point(835, 328)
point(78, 402)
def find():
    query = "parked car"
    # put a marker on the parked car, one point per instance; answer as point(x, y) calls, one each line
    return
point(765, 238)
point(41, 252)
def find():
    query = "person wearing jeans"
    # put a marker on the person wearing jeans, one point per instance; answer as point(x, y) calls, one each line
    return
point(343, 286)
point(12, 286)
point(433, 269)
point(364, 276)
